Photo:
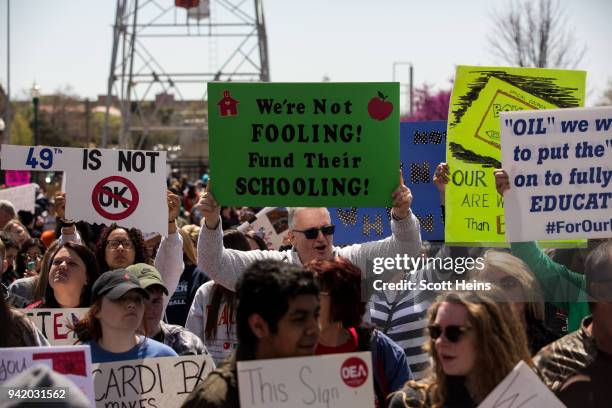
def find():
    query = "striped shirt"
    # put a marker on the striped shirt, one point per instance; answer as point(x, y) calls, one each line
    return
point(402, 315)
point(404, 321)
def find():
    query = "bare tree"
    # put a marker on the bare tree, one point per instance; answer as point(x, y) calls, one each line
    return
point(535, 34)
point(606, 98)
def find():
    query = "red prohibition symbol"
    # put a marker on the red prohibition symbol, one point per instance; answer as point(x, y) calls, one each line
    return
point(99, 191)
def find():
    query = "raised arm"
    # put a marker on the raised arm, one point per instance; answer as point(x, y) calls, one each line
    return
point(169, 259)
point(223, 265)
point(559, 284)
point(405, 236)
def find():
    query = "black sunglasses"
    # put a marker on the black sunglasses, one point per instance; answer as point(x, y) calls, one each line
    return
point(312, 233)
point(452, 333)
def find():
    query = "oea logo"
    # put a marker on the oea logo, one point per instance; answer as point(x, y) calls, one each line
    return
point(354, 372)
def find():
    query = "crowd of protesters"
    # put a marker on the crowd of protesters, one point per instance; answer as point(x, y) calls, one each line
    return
point(207, 287)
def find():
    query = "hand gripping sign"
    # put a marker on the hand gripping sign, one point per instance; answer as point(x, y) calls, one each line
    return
point(103, 185)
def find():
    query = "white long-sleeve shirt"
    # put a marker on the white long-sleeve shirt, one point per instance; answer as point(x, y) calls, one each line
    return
point(224, 266)
point(168, 261)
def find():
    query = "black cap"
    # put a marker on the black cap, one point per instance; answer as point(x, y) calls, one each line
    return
point(116, 283)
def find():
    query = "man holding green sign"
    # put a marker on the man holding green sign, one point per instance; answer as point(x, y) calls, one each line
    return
point(311, 234)
point(305, 145)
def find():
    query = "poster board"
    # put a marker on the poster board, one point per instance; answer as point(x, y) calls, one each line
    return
point(560, 168)
point(304, 144)
point(422, 147)
point(479, 95)
point(150, 382)
point(103, 185)
point(334, 380)
point(73, 362)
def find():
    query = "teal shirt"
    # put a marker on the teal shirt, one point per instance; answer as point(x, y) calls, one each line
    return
point(560, 286)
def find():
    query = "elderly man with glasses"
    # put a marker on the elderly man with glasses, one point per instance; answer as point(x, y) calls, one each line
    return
point(311, 235)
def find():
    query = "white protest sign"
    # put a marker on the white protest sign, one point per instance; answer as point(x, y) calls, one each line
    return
point(334, 380)
point(72, 362)
point(22, 197)
point(53, 323)
point(271, 223)
point(521, 388)
point(560, 167)
point(150, 382)
point(103, 185)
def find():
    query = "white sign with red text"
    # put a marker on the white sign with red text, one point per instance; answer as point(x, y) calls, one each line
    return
point(334, 380)
point(73, 362)
point(55, 324)
point(127, 187)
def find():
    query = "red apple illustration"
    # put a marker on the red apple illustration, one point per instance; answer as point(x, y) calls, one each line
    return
point(379, 108)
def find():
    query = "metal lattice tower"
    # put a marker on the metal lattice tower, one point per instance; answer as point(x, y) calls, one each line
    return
point(161, 49)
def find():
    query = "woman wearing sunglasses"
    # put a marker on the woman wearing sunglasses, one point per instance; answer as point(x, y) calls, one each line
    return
point(475, 340)
point(520, 286)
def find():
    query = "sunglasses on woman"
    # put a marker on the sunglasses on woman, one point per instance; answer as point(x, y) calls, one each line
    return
point(313, 233)
point(452, 333)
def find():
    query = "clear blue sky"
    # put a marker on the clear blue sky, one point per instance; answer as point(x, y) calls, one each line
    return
point(63, 43)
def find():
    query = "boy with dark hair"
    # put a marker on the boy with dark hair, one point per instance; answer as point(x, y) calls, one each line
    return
point(277, 317)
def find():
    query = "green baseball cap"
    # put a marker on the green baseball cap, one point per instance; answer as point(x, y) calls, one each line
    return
point(114, 284)
point(147, 275)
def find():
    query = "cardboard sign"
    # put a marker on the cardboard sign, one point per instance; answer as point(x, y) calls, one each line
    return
point(422, 147)
point(474, 210)
point(54, 323)
point(334, 380)
point(15, 178)
point(304, 144)
point(72, 362)
point(103, 185)
point(271, 224)
point(560, 168)
point(521, 388)
point(22, 197)
point(150, 382)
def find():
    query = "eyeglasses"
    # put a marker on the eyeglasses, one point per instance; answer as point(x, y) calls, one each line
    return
point(452, 333)
point(114, 244)
point(313, 233)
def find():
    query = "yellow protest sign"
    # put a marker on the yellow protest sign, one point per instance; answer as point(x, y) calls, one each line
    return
point(474, 210)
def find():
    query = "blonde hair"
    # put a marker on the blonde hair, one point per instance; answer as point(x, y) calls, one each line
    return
point(8, 227)
point(516, 268)
point(189, 249)
point(501, 343)
point(193, 231)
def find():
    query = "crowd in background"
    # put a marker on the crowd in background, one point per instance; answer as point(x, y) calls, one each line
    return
point(207, 288)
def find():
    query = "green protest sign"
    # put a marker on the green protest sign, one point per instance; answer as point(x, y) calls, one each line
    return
point(304, 144)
